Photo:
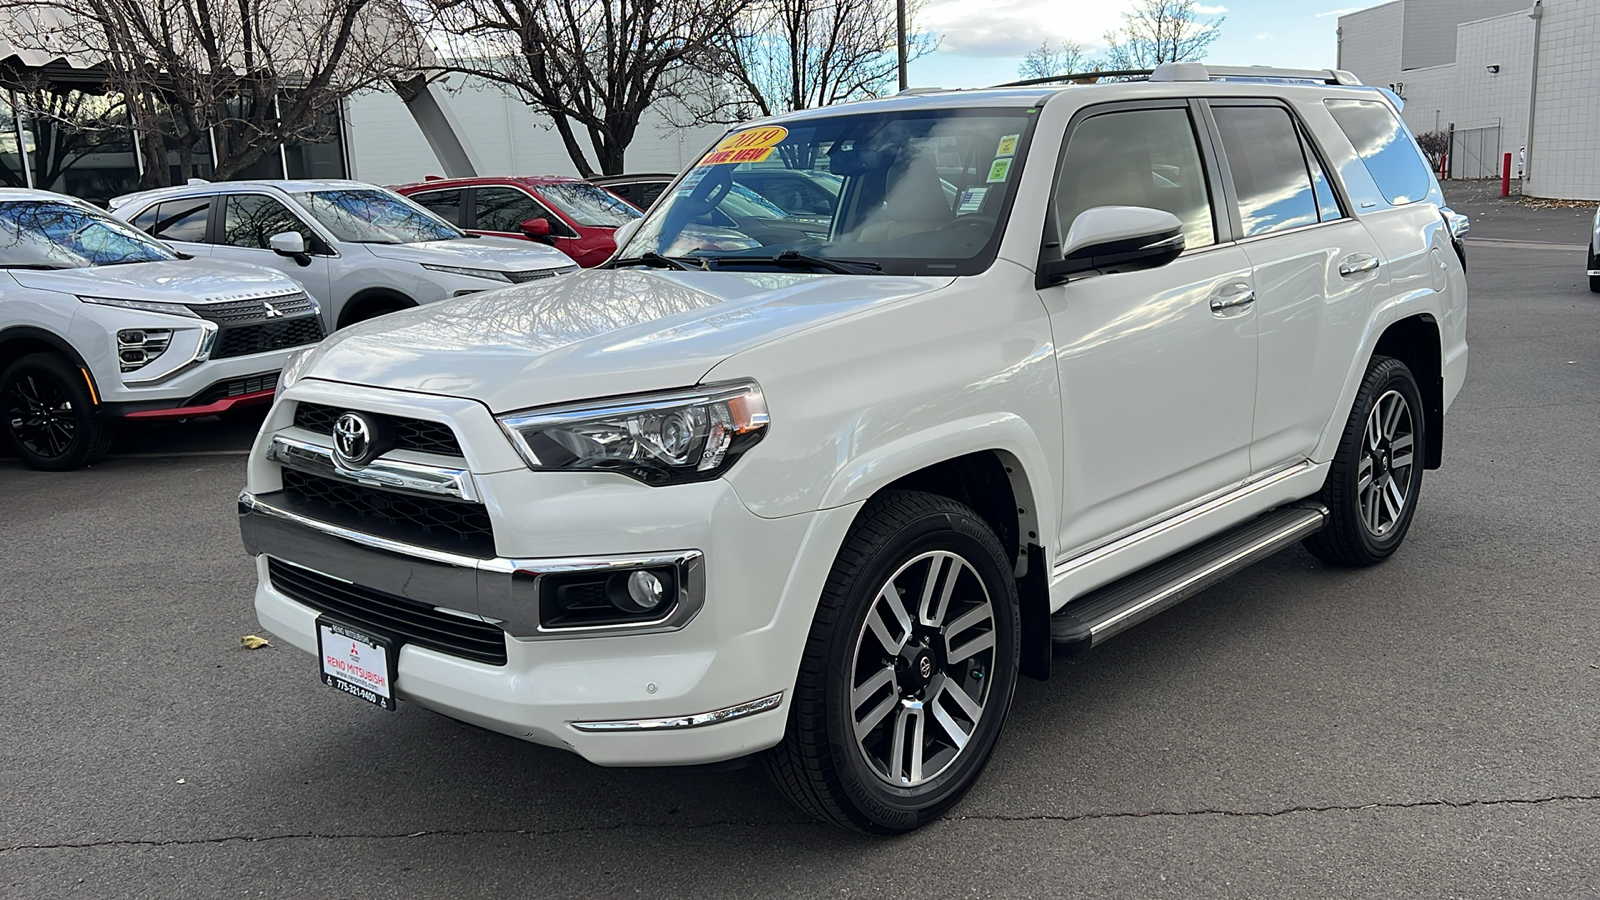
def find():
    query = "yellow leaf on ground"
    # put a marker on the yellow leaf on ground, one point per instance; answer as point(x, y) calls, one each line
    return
point(254, 642)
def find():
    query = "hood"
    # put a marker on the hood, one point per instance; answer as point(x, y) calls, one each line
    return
point(476, 253)
point(598, 333)
point(164, 281)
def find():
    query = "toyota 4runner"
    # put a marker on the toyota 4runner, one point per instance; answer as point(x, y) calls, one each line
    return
point(827, 492)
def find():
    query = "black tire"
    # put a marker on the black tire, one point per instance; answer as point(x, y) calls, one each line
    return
point(48, 416)
point(820, 765)
point(1367, 525)
point(1594, 283)
point(371, 308)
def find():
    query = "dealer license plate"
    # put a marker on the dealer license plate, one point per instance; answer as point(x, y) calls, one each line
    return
point(360, 664)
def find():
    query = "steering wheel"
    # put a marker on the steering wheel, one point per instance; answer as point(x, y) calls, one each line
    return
point(972, 221)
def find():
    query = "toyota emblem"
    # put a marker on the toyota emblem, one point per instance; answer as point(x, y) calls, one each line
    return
point(352, 440)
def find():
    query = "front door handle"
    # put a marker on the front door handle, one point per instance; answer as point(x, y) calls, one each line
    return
point(1232, 297)
point(1359, 264)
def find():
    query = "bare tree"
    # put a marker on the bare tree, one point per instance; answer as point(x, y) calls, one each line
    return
point(592, 66)
point(245, 75)
point(1435, 144)
point(802, 54)
point(1047, 60)
point(1160, 31)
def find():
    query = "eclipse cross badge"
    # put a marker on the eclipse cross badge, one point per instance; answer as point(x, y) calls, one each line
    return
point(352, 440)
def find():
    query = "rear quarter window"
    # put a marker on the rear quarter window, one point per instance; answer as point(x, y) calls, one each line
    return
point(1388, 152)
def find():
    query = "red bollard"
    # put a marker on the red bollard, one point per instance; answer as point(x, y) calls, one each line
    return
point(1505, 176)
point(1444, 166)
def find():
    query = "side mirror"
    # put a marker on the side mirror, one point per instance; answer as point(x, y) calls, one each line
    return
point(624, 232)
point(537, 230)
point(1115, 239)
point(287, 243)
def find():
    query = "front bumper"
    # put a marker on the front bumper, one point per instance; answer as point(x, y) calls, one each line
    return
point(709, 685)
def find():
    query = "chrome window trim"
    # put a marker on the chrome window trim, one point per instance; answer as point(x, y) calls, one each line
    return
point(506, 590)
point(389, 474)
point(678, 723)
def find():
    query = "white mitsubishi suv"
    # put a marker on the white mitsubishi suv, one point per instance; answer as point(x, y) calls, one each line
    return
point(359, 249)
point(827, 497)
point(101, 324)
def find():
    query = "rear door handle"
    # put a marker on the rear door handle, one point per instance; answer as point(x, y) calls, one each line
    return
point(1359, 264)
point(1232, 297)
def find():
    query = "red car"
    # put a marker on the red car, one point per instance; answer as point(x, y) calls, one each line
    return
point(571, 215)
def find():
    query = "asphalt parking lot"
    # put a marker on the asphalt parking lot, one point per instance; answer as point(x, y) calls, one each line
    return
point(1425, 728)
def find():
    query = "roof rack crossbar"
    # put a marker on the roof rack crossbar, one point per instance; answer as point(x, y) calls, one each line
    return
point(1196, 72)
point(1078, 76)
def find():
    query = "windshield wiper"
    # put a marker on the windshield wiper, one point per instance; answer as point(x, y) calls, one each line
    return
point(653, 260)
point(43, 267)
point(794, 259)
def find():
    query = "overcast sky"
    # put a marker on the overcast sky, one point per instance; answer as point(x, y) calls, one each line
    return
point(985, 40)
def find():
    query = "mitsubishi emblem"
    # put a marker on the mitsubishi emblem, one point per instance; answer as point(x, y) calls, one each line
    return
point(272, 311)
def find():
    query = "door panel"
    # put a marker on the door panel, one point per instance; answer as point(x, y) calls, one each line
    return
point(249, 221)
point(1157, 367)
point(1157, 389)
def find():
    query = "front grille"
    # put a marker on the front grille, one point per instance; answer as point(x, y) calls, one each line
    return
point(387, 614)
point(240, 312)
point(243, 340)
point(435, 518)
point(234, 387)
point(536, 274)
point(420, 435)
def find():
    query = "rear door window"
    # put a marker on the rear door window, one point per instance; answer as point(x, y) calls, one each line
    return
point(444, 204)
point(1269, 170)
point(1390, 156)
point(177, 220)
point(1137, 157)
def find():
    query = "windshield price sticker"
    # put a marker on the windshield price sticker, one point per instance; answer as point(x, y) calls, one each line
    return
point(356, 663)
point(1008, 145)
point(750, 146)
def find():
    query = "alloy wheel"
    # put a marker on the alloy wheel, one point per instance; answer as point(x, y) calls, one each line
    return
point(1384, 475)
point(41, 416)
point(920, 676)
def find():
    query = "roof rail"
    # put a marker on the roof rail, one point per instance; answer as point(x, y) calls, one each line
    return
point(1188, 71)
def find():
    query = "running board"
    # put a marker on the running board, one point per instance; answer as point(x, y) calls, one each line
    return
point(1096, 616)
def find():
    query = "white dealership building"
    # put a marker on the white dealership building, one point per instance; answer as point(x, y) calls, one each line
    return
point(1502, 75)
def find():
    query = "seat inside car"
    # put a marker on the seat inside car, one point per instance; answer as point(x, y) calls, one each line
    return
point(913, 201)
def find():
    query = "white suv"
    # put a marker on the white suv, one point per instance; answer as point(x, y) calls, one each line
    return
point(361, 250)
point(829, 497)
point(99, 323)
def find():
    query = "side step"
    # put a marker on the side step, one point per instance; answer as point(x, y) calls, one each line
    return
point(1096, 616)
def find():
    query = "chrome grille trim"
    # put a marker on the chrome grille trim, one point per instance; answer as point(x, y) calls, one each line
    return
point(388, 474)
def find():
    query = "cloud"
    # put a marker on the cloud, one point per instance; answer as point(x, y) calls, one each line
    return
point(1345, 11)
point(1010, 28)
point(1264, 36)
point(1204, 10)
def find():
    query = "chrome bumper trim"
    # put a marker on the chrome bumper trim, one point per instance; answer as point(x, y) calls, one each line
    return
point(502, 591)
point(679, 723)
point(389, 474)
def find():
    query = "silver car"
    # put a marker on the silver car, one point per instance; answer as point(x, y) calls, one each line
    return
point(360, 250)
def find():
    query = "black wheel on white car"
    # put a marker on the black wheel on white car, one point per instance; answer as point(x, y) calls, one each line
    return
point(908, 671)
point(48, 414)
point(1372, 488)
point(1594, 283)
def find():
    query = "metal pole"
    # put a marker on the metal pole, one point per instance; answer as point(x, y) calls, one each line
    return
point(900, 32)
point(1533, 89)
point(283, 149)
point(22, 147)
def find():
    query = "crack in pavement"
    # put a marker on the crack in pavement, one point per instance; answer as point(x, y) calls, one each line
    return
point(736, 823)
point(1288, 810)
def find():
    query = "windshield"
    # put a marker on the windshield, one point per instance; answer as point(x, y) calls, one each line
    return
point(373, 216)
point(919, 192)
point(588, 205)
point(49, 234)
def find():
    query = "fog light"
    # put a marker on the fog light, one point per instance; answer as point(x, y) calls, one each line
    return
point(645, 592)
point(137, 347)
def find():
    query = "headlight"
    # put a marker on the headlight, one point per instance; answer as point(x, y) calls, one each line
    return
point(470, 273)
point(170, 309)
point(293, 368)
point(667, 438)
